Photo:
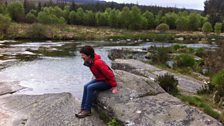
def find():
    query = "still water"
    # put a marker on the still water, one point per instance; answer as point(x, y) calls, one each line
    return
point(53, 67)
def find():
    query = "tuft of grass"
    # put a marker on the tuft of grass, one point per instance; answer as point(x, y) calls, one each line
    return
point(198, 102)
point(108, 120)
point(113, 122)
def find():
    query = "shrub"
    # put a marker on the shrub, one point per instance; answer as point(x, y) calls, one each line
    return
point(198, 66)
point(185, 60)
point(162, 27)
point(194, 21)
point(218, 79)
point(200, 52)
point(30, 18)
point(182, 49)
point(4, 24)
point(45, 18)
point(160, 54)
point(3, 9)
point(218, 28)
point(37, 31)
point(207, 27)
point(16, 11)
point(178, 46)
point(182, 23)
point(168, 83)
point(218, 82)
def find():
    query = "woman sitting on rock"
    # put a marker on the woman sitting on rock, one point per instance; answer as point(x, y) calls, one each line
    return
point(104, 79)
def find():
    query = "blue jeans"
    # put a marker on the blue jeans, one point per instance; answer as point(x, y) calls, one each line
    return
point(89, 88)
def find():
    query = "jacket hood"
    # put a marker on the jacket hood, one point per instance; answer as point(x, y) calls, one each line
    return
point(90, 62)
point(96, 57)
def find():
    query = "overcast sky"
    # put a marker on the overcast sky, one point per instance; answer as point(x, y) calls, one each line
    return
point(188, 4)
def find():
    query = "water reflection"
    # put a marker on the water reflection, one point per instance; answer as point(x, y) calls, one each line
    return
point(53, 68)
point(50, 75)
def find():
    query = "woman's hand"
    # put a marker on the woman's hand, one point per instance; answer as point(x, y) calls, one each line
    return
point(114, 90)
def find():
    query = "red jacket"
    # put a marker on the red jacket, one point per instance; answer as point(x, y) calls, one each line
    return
point(101, 71)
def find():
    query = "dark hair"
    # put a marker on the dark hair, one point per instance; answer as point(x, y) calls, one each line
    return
point(88, 50)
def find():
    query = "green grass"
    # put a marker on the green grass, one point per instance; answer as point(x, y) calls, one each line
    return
point(144, 35)
point(200, 103)
point(113, 122)
point(184, 71)
point(108, 120)
point(77, 32)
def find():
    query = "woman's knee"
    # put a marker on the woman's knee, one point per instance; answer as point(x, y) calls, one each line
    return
point(86, 85)
point(90, 88)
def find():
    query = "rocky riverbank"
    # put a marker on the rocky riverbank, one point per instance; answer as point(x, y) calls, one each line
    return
point(186, 84)
point(139, 102)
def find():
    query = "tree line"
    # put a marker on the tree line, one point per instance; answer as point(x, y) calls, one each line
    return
point(215, 10)
point(129, 17)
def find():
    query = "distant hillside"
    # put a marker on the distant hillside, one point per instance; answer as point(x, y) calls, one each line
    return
point(58, 1)
point(86, 1)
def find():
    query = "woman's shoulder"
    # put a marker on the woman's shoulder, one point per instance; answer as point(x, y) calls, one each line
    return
point(98, 61)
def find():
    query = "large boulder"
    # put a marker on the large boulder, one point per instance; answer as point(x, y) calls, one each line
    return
point(141, 102)
point(185, 84)
point(131, 86)
point(43, 110)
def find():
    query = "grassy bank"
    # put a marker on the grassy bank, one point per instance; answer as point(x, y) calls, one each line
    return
point(74, 32)
point(205, 104)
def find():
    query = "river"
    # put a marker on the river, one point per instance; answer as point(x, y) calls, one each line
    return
point(53, 67)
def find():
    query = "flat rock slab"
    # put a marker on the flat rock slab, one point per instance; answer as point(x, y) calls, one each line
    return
point(150, 109)
point(161, 110)
point(186, 84)
point(9, 87)
point(132, 86)
point(43, 110)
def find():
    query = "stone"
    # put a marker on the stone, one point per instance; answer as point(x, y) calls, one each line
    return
point(44, 110)
point(170, 63)
point(148, 55)
point(132, 86)
point(205, 71)
point(9, 87)
point(141, 102)
point(127, 54)
point(185, 84)
point(139, 40)
point(180, 39)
